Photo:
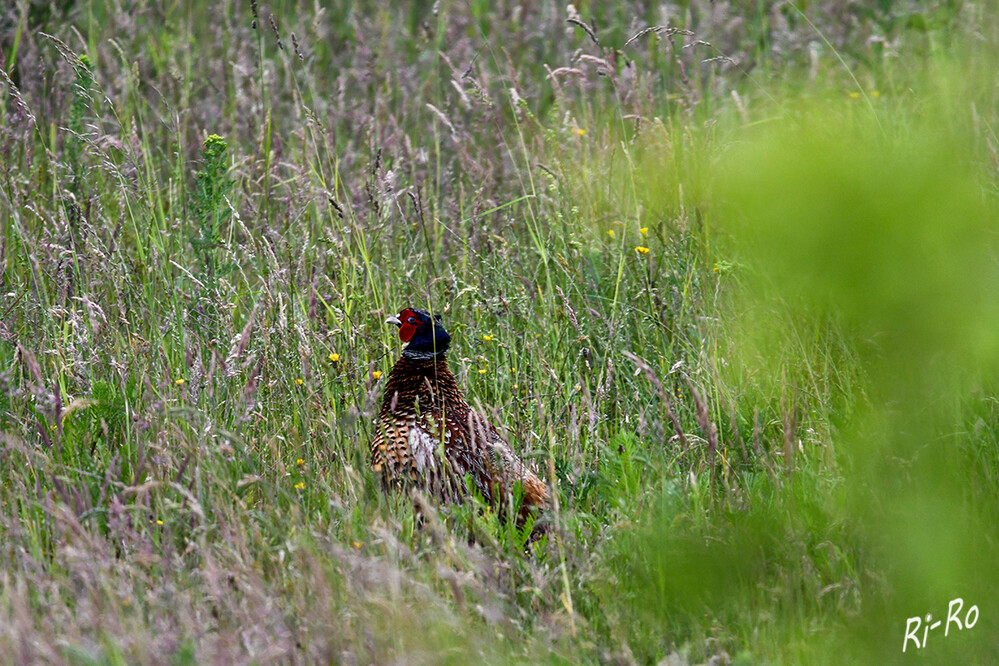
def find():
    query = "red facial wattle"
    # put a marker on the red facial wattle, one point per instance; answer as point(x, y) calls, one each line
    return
point(410, 322)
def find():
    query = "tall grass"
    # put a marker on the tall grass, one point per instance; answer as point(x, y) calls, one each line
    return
point(635, 225)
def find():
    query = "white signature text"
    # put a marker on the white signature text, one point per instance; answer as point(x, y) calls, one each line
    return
point(954, 617)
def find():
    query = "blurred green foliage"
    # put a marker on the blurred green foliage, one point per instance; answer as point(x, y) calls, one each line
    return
point(881, 222)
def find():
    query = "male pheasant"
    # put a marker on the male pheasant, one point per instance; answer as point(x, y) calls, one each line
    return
point(429, 437)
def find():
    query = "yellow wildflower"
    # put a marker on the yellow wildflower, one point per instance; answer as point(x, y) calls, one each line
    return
point(643, 230)
point(377, 374)
point(299, 381)
point(855, 95)
point(487, 338)
point(580, 131)
point(610, 232)
point(482, 371)
point(179, 382)
point(300, 462)
point(641, 250)
point(334, 358)
point(159, 522)
point(300, 485)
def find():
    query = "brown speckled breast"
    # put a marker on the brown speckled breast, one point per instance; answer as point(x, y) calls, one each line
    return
point(427, 436)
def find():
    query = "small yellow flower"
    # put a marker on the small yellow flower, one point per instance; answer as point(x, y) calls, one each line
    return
point(875, 94)
point(377, 374)
point(357, 545)
point(300, 485)
point(579, 387)
point(159, 522)
point(513, 369)
point(334, 358)
point(482, 371)
point(610, 232)
point(299, 381)
point(580, 131)
point(643, 230)
point(723, 267)
point(179, 382)
point(487, 338)
point(641, 250)
point(855, 95)
point(300, 462)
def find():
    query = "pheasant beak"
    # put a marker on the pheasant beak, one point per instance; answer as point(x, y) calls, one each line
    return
point(393, 320)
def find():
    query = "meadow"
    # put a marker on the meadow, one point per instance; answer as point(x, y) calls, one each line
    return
point(725, 273)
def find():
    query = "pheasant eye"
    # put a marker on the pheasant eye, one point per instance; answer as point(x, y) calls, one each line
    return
point(411, 320)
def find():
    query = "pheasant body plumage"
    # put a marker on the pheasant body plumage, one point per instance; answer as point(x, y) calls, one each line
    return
point(427, 435)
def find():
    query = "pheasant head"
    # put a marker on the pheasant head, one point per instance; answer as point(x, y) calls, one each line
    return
point(424, 335)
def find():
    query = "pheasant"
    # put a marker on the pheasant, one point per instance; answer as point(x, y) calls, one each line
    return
point(429, 437)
